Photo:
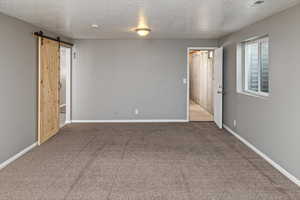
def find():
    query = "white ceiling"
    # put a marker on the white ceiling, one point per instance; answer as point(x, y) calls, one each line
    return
point(168, 19)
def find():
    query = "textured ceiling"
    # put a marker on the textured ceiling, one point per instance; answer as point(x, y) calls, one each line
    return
point(168, 19)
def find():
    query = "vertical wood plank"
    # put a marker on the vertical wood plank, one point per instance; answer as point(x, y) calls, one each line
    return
point(48, 98)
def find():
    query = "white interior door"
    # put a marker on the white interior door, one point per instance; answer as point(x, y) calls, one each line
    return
point(218, 87)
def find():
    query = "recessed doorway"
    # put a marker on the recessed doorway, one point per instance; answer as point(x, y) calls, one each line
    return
point(64, 85)
point(205, 88)
point(54, 72)
point(201, 85)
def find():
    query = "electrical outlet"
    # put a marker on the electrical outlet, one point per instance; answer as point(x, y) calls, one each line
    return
point(184, 80)
point(234, 123)
point(136, 111)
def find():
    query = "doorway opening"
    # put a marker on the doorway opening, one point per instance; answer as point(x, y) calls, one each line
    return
point(201, 73)
point(64, 85)
point(205, 84)
point(54, 85)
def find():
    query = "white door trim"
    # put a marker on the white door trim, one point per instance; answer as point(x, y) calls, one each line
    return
point(188, 77)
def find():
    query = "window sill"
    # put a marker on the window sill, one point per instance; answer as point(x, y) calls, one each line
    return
point(253, 94)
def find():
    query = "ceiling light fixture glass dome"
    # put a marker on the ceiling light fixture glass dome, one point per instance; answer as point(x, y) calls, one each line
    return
point(143, 31)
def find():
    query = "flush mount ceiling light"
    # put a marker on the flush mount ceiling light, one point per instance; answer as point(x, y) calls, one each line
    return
point(95, 26)
point(143, 31)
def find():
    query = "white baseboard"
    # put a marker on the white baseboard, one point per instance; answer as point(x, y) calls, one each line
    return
point(18, 155)
point(132, 121)
point(264, 156)
point(66, 122)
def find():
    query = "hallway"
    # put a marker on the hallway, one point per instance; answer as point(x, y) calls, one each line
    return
point(197, 113)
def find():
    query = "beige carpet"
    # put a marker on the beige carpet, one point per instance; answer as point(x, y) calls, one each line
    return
point(194, 161)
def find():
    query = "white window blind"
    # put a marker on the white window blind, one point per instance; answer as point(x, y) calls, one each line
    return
point(256, 66)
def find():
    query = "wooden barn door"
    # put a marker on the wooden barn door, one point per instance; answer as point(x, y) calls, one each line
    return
point(48, 89)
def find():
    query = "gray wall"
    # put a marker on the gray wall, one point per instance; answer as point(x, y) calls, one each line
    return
point(113, 77)
point(18, 86)
point(271, 124)
point(18, 72)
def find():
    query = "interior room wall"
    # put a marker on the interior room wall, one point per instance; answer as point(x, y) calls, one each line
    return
point(271, 124)
point(18, 75)
point(18, 86)
point(112, 78)
point(210, 86)
point(195, 77)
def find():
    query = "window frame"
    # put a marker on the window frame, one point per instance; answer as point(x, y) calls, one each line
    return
point(242, 77)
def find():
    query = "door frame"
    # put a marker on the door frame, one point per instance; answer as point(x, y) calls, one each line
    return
point(68, 86)
point(188, 77)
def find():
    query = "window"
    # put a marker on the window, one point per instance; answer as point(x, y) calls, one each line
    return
point(255, 66)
